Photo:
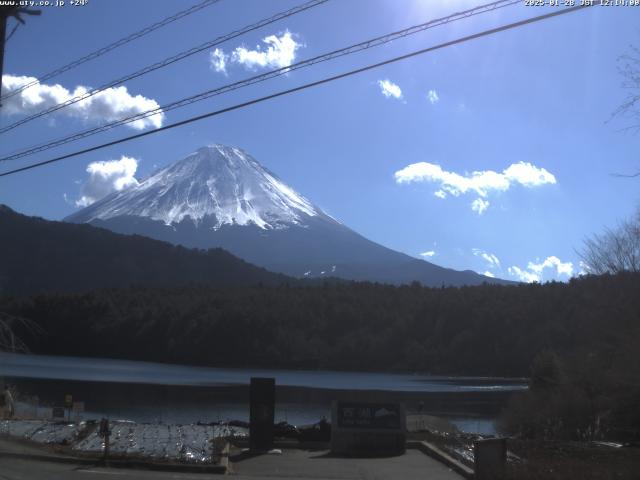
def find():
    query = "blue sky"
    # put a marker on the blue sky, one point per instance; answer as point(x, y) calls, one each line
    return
point(538, 97)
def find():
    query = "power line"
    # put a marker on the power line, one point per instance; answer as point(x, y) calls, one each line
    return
point(13, 30)
point(168, 61)
point(371, 43)
point(112, 46)
point(350, 73)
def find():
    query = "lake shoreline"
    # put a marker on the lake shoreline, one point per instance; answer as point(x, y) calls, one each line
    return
point(51, 390)
point(142, 391)
point(136, 371)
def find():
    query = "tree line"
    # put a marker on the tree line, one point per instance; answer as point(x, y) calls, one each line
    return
point(481, 330)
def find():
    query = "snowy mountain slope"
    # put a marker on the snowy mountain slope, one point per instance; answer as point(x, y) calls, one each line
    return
point(222, 197)
point(218, 181)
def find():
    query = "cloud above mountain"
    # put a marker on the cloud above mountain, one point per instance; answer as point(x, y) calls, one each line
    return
point(492, 260)
point(107, 177)
point(390, 89)
point(551, 268)
point(433, 97)
point(276, 51)
point(218, 60)
point(481, 183)
point(479, 205)
point(109, 105)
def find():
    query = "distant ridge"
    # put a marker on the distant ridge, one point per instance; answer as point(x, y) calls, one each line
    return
point(38, 255)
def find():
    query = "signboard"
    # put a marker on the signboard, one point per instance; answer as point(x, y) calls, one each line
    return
point(368, 429)
point(57, 412)
point(262, 395)
point(369, 415)
point(68, 401)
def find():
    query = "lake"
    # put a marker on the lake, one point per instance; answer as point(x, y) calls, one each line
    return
point(145, 391)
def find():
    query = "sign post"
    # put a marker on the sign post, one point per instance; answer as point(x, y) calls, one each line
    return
point(68, 403)
point(262, 394)
point(3, 405)
point(105, 433)
point(490, 458)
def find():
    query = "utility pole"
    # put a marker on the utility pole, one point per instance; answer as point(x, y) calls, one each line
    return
point(5, 13)
point(3, 34)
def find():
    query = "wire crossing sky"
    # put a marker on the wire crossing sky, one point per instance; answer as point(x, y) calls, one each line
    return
point(163, 63)
point(371, 43)
point(112, 46)
point(495, 154)
point(302, 87)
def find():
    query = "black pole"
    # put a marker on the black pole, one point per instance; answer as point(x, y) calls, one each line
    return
point(3, 33)
point(5, 13)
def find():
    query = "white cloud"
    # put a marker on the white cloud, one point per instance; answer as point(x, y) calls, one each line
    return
point(280, 52)
point(528, 175)
point(433, 97)
point(490, 258)
point(489, 274)
point(219, 60)
point(523, 275)
point(478, 182)
point(106, 177)
point(552, 268)
point(440, 194)
point(479, 205)
point(109, 105)
point(553, 262)
point(584, 268)
point(430, 253)
point(390, 89)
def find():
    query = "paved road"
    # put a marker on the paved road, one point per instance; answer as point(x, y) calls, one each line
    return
point(13, 469)
point(320, 466)
point(290, 465)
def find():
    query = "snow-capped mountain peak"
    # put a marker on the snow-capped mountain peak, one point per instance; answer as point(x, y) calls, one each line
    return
point(221, 197)
point(217, 181)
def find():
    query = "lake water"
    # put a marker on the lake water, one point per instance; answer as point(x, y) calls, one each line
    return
point(181, 408)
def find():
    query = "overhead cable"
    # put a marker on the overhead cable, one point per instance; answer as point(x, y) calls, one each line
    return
point(316, 83)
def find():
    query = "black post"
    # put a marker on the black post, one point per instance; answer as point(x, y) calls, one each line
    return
point(105, 432)
point(262, 394)
point(490, 458)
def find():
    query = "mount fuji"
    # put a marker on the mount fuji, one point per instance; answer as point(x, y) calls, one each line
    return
point(220, 196)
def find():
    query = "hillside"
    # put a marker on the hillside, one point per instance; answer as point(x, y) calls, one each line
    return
point(37, 255)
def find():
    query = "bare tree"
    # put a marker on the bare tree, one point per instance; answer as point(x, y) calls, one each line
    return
point(9, 341)
point(616, 250)
point(629, 68)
